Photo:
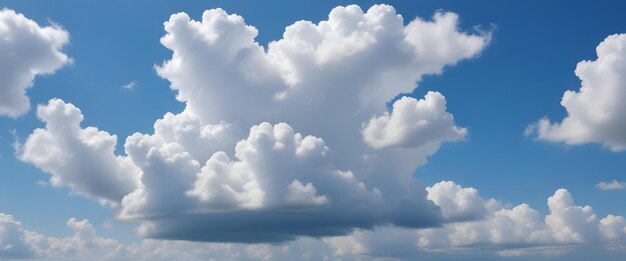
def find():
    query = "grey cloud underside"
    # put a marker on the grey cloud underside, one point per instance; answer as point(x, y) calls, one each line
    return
point(277, 225)
point(502, 230)
point(274, 144)
point(568, 232)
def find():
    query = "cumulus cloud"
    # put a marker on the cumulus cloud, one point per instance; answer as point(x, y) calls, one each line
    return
point(613, 185)
point(13, 239)
point(458, 203)
point(517, 230)
point(568, 230)
point(16, 242)
point(278, 177)
point(26, 50)
point(522, 226)
point(413, 123)
point(80, 158)
point(597, 112)
point(272, 143)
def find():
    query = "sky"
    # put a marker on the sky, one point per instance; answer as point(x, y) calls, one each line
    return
point(312, 130)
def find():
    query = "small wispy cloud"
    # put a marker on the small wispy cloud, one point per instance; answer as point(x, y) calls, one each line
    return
point(130, 85)
point(613, 185)
point(17, 144)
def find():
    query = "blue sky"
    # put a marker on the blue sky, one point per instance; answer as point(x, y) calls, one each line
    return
point(515, 79)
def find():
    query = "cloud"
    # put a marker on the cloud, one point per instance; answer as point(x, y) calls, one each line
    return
point(278, 177)
point(413, 123)
point(270, 146)
point(16, 242)
point(571, 231)
point(458, 203)
point(79, 158)
point(12, 235)
point(597, 112)
point(522, 226)
point(518, 230)
point(613, 185)
point(130, 85)
point(26, 50)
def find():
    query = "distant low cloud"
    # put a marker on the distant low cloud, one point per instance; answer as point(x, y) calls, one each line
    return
point(501, 231)
point(504, 231)
point(16, 242)
point(613, 185)
point(597, 112)
point(26, 50)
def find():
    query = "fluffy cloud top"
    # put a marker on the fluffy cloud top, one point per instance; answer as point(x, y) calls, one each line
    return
point(26, 50)
point(81, 159)
point(503, 230)
point(458, 203)
point(522, 226)
point(12, 239)
point(413, 123)
point(278, 143)
point(597, 112)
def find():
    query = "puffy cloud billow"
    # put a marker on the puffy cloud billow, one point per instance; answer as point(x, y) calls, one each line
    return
point(274, 143)
point(26, 50)
point(502, 230)
point(80, 158)
point(16, 242)
point(413, 123)
point(567, 230)
point(597, 112)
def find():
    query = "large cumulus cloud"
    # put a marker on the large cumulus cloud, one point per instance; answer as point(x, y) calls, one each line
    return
point(26, 50)
point(597, 112)
point(275, 143)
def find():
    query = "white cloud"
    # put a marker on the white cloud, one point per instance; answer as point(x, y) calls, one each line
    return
point(569, 223)
point(299, 195)
point(522, 226)
point(82, 159)
point(597, 112)
point(413, 123)
point(568, 230)
point(12, 239)
point(311, 80)
point(26, 50)
point(613, 228)
point(505, 231)
point(458, 203)
point(234, 166)
point(613, 185)
point(16, 242)
point(278, 177)
point(130, 85)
